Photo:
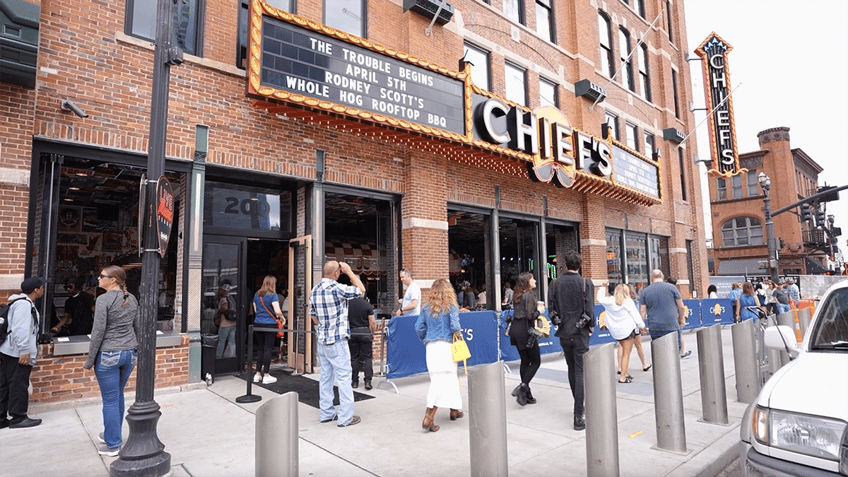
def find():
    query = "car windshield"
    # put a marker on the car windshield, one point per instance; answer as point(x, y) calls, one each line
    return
point(831, 328)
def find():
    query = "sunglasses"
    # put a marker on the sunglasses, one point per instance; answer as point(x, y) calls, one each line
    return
point(102, 276)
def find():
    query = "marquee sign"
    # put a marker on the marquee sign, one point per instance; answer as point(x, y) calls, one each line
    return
point(725, 155)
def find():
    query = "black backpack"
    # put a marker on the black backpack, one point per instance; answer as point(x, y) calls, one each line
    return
point(4, 319)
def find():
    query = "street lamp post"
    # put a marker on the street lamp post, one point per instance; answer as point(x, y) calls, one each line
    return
point(765, 184)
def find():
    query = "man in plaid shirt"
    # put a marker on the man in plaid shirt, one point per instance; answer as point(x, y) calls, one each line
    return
point(328, 308)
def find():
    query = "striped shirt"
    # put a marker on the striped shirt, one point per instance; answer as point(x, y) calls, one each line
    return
point(328, 302)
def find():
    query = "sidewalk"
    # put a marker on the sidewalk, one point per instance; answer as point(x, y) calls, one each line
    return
point(208, 434)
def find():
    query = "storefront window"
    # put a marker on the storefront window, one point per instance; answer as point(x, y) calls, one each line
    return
point(637, 258)
point(614, 256)
point(245, 207)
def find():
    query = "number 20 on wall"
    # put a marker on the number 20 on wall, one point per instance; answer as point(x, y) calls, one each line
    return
point(247, 206)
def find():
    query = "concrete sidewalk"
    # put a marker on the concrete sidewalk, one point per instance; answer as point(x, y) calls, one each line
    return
point(208, 434)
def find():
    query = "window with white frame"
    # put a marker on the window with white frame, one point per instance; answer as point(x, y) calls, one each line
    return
point(626, 61)
point(547, 93)
point(187, 28)
point(514, 10)
point(632, 135)
point(545, 20)
point(605, 34)
point(612, 122)
point(753, 183)
point(516, 84)
point(674, 92)
point(640, 7)
point(721, 188)
point(649, 144)
point(645, 72)
point(742, 231)
point(479, 60)
point(347, 16)
point(682, 173)
point(736, 186)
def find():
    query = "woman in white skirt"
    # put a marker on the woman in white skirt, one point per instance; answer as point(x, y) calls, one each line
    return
point(436, 325)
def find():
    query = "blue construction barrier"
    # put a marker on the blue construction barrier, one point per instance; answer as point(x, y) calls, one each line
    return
point(510, 353)
point(716, 311)
point(693, 320)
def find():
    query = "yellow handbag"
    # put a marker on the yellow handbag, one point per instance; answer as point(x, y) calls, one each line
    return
point(459, 349)
point(543, 326)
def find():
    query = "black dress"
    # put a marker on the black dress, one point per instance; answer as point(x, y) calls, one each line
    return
point(526, 312)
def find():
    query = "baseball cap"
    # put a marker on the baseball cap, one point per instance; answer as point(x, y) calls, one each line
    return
point(30, 284)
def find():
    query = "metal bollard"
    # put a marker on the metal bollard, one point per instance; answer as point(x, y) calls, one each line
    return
point(277, 437)
point(668, 394)
point(745, 361)
point(786, 319)
point(711, 370)
point(601, 414)
point(803, 320)
point(487, 421)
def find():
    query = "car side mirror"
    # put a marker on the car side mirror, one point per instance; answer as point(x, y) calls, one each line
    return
point(781, 338)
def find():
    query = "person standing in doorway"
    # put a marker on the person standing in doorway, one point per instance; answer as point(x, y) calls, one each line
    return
point(264, 301)
point(410, 305)
point(113, 351)
point(17, 355)
point(360, 314)
point(328, 307)
point(573, 295)
point(227, 319)
point(662, 308)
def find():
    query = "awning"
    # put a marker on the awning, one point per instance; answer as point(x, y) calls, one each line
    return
point(741, 266)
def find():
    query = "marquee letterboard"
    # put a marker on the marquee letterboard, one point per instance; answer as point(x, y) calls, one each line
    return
point(634, 172)
point(301, 61)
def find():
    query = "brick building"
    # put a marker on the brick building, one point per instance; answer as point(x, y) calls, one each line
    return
point(305, 130)
point(738, 220)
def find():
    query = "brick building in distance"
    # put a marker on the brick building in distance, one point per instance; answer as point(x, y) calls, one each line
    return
point(303, 131)
point(738, 220)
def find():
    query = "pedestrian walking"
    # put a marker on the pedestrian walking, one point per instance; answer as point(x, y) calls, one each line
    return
point(264, 301)
point(527, 310)
point(662, 309)
point(624, 324)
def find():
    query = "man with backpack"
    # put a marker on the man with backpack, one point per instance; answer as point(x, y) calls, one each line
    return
point(17, 355)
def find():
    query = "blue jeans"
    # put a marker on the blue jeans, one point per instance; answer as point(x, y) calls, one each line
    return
point(657, 334)
point(113, 369)
point(781, 308)
point(226, 340)
point(335, 362)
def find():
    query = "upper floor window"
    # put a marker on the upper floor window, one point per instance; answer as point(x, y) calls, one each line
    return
point(626, 61)
point(547, 93)
point(241, 48)
point(742, 231)
point(612, 123)
point(674, 93)
point(644, 72)
point(479, 60)
point(605, 33)
point(736, 185)
point(346, 15)
point(514, 10)
point(721, 188)
point(668, 17)
point(640, 7)
point(682, 173)
point(753, 183)
point(516, 84)
point(187, 19)
point(649, 144)
point(632, 136)
point(545, 20)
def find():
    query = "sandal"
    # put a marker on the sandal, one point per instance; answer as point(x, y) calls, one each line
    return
point(647, 368)
point(627, 379)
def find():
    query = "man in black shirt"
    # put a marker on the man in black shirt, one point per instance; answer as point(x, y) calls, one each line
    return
point(79, 311)
point(360, 315)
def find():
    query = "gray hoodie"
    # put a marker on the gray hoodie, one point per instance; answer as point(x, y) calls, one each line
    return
point(23, 329)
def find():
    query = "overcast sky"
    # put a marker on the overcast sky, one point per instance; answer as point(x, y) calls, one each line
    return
point(791, 58)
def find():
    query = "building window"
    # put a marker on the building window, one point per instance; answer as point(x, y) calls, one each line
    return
point(346, 15)
point(514, 10)
point(644, 73)
point(721, 188)
point(632, 136)
point(668, 17)
point(674, 92)
point(626, 61)
point(649, 144)
point(612, 122)
point(244, 9)
point(690, 268)
point(605, 33)
point(640, 7)
point(516, 89)
point(614, 256)
point(736, 186)
point(547, 93)
point(545, 20)
point(682, 173)
point(741, 231)
point(141, 23)
point(636, 257)
point(753, 184)
point(479, 60)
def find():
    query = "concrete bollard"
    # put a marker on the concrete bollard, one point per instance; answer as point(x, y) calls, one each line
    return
point(668, 394)
point(786, 319)
point(601, 414)
point(487, 421)
point(711, 370)
point(277, 437)
point(745, 361)
point(803, 320)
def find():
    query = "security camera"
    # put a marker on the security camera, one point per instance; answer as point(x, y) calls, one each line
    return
point(70, 106)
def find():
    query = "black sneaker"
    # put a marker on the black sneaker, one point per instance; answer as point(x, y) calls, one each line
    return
point(354, 384)
point(368, 385)
point(23, 423)
point(579, 423)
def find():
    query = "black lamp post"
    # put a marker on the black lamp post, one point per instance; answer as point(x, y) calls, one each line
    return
point(765, 184)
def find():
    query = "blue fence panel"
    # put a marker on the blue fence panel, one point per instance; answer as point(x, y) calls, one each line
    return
point(480, 329)
point(510, 352)
point(693, 319)
point(716, 311)
point(599, 336)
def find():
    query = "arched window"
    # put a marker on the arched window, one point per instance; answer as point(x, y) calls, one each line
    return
point(605, 34)
point(742, 231)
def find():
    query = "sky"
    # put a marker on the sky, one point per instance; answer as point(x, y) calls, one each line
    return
point(790, 61)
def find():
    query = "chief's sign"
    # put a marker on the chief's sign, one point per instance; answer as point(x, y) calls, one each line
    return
point(725, 156)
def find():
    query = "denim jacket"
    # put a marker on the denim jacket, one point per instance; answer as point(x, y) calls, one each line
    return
point(442, 327)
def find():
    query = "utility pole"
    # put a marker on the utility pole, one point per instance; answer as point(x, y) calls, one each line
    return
point(144, 454)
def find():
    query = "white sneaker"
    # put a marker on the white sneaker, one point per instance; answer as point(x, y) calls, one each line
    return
point(256, 378)
point(268, 379)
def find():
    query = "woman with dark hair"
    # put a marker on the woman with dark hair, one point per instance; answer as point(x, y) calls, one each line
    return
point(712, 291)
point(435, 326)
point(527, 309)
point(113, 351)
point(264, 301)
point(746, 299)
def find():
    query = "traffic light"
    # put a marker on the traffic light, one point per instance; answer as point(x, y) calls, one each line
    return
point(805, 213)
point(820, 218)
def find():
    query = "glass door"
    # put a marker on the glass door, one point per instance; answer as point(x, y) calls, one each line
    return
point(223, 288)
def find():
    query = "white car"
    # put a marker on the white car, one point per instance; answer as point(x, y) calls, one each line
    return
point(798, 424)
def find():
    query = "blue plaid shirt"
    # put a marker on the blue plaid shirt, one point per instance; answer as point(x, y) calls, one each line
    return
point(328, 301)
